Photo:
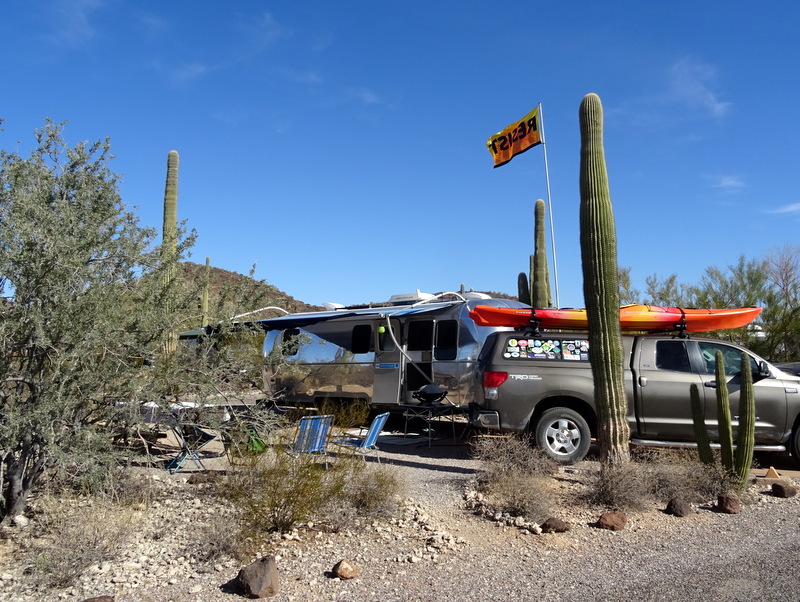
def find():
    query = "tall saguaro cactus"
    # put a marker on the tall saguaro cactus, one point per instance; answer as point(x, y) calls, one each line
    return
point(169, 234)
point(204, 298)
point(540, 273)
point(601, 286)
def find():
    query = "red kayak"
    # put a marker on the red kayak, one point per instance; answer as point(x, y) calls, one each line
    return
point(631, 318)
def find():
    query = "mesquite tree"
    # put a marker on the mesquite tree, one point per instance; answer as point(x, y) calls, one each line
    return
point(601, 286)
point(81, 313)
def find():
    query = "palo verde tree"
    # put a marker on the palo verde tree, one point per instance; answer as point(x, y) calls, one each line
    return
point(601, 286)
point(82, 310)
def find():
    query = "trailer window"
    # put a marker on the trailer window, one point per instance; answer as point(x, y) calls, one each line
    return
point(361, 341)
point(446, 340)
point(291, 342)
point(420, 335)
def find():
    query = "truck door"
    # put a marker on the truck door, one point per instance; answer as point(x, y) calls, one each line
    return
point(663, 380)
point(388, 364)
point(770, 393)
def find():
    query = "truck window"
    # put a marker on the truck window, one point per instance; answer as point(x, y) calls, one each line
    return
point(547, 349)
point(420, 335)
point(731, 357)
point(446, 340)
point(672, 355)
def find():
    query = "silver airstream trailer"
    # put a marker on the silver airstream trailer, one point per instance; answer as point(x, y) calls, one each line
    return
point(377, 354)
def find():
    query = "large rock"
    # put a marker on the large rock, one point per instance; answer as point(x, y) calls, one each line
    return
point(783, 489)
point(728, 504)
point(344, 569)
point(259, 579)
point(679, 507)
point(612, 521)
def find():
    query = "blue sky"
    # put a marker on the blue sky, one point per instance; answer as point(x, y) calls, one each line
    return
point(340, 146)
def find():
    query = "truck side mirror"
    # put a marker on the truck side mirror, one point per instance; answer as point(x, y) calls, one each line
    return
point(763, 369)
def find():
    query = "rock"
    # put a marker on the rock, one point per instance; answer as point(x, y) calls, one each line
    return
point(783, 489)
point(728, 504)
point(554, 525)
point(20, 521)
point(679, 507)
point(613, 521)
point(344, 569)
point(259, 579)
point(100, 599)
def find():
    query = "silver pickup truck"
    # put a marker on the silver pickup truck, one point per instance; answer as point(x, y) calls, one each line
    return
point(543, 384)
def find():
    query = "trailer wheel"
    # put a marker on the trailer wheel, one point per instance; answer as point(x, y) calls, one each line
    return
point(563, 434)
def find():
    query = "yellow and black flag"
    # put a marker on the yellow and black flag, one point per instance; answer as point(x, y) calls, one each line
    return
point(515, 139)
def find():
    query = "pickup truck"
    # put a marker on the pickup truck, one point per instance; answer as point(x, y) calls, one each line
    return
point(542, 384)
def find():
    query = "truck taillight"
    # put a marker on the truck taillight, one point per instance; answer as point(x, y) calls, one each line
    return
point(493, 379)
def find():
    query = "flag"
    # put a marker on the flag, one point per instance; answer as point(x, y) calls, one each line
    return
point(515, 139)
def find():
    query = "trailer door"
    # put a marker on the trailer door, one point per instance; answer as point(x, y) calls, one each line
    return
point(388, 365)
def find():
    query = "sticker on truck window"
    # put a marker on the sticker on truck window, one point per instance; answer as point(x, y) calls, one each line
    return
point(576, 350)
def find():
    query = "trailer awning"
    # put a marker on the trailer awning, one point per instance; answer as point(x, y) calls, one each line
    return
point(307, 319)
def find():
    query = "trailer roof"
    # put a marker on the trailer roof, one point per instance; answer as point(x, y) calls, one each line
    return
point(301, 320)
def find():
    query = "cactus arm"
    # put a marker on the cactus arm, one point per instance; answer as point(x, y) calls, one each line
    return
point(724, 415)
point(745, 435)
point(700, 430)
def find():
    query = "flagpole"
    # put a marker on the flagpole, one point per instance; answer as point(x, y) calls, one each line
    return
point(549, 205)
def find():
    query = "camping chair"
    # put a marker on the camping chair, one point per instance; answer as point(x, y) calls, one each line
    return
point(312, 435)
point(366, 443)
point(192, 439)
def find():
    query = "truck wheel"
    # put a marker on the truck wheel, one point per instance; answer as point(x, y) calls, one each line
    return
point(794, 448)
point(564, 435)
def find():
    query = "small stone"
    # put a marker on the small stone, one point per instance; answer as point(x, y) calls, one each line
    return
point(678, 507)
point(554, 525)
point(344, 569)
point(728, 504)
point(783, 489)
point(612, 521)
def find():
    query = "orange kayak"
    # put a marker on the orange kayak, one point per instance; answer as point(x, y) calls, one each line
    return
point(631, 318)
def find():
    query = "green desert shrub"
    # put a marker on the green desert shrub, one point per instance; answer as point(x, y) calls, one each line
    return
point(276, 491)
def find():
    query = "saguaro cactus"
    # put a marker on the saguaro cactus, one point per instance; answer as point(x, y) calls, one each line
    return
point(724, 414)
point(601, 286)
point(746, 433)
point(736, 464)
point(204, 299)
point(169, 235)
point(540, 273)
point(523, 290)
point(700, 430)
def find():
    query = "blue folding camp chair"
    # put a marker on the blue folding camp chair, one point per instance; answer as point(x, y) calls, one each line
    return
point(366, 443)
point(312, 435)
point(192, 439)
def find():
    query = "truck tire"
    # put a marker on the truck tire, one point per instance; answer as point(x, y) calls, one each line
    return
point(563, 434)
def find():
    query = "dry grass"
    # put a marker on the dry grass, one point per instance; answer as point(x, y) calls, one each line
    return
point(77, 534)
point(515, 477)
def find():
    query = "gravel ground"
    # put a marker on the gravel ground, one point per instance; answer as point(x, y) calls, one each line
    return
point(438, 550)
